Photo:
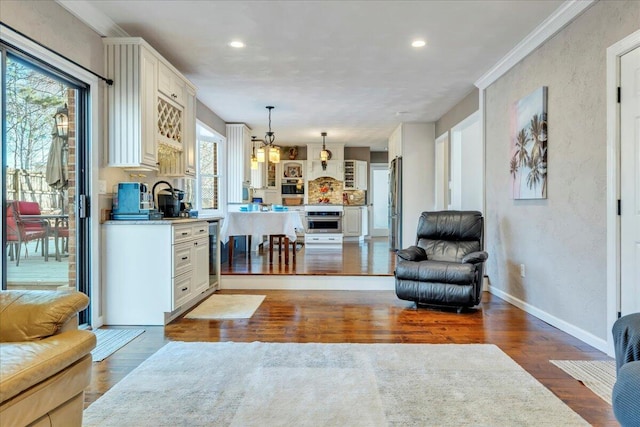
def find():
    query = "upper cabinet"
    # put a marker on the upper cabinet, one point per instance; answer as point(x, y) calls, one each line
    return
point(151, 110)
point(355, 175)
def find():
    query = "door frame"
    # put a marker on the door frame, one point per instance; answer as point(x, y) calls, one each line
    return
point(372, 233)
point(94, 124)
point(614, 52)
point(456, 143)
point(442, 143)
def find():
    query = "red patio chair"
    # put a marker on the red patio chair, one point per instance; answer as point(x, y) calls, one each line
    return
point(18, 233)
point(33, 224)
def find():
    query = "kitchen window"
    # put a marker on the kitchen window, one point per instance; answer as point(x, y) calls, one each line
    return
point(209, 170)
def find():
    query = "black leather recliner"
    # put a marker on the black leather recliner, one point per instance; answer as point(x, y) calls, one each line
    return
point(446, 265)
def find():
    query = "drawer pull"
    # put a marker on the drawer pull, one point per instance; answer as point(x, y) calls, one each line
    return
point(185, 258)
point(202, 231)
point(184, 233)
point(195, 244)
point(184, 289)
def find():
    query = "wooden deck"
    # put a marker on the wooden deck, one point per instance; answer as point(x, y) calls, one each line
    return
point(36, 273)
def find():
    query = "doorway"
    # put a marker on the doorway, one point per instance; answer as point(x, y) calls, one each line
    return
point(379, 191)
point(623, 182)
point(442, 172)
point(467, 183)
point(44, 179)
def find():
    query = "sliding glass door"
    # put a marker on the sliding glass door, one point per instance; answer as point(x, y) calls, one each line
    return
point(44, 145)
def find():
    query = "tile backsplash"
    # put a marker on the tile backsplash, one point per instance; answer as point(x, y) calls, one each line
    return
point(325, 190)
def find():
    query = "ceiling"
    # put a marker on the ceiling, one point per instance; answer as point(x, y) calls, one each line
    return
point(344, 67)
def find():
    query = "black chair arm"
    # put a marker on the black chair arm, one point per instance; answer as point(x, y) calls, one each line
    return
point(412, 253)
point(475, 257)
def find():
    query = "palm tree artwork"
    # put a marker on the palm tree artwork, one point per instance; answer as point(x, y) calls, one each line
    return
point(528, 163)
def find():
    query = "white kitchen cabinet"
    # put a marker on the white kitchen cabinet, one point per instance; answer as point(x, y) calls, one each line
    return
point(171, 84)
point(153, 270)
point(150, 110)
point(190, 148)
point(355, 175)
point(354, 222)
point(131, 105)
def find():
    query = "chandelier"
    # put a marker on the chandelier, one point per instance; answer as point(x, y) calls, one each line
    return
point(269, 138)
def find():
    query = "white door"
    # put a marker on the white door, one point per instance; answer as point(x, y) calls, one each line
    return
point(466, 165)
point(630, 182)
point(442, 172)
point(379, 191)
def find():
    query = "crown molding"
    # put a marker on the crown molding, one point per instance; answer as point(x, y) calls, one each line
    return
point(92, 17)
point(562, 16)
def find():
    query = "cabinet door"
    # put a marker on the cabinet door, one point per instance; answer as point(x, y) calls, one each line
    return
point(200, 253)
point(360, 175)
point(189, 150)
point(149, 148)
point(171, 84)
point(351, 222)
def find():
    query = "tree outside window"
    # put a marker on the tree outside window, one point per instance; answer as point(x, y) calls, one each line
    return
point(208, 169)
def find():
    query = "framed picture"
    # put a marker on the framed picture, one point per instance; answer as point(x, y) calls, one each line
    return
point(528, 163)
point(293, 172)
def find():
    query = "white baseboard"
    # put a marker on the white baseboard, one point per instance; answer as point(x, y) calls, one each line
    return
point(564, 326)
point(307, 282)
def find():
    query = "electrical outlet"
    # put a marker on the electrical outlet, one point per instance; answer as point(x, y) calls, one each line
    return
point(522, 271)
point(102, 184)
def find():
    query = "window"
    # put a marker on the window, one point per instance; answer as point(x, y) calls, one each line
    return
point(209, 156)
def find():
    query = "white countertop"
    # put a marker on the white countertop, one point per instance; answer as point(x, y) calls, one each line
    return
point(164, 221)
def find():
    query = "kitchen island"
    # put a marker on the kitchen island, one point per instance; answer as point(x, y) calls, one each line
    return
point(155, 270)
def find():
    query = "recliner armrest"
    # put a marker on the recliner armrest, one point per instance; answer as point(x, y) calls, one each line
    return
point(412, 253)
point(475, 257)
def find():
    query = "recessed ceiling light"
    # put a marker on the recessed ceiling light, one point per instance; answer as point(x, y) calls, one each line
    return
point(237, 44)
point(418, 43)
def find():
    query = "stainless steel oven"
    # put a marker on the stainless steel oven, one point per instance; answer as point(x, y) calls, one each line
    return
point(324, 222)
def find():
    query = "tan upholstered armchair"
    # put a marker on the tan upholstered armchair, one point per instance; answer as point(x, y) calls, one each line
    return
point(45, 361)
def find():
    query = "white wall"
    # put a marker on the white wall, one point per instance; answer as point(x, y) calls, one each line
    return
point(561, 240)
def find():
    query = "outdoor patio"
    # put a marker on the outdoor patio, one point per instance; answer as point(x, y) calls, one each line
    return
point(36, 273)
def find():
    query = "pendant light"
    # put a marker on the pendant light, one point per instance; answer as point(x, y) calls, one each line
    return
point(324, 154)
point(269, 138)
point(254, 159)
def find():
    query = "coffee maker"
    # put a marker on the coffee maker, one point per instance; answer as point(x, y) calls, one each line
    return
point(131, 201)
point(169, 200)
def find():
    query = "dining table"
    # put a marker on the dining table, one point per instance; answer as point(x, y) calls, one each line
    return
point(54, 221)
point(256, 224)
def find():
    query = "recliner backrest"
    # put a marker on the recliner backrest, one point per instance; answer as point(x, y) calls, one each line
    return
point(450, 235)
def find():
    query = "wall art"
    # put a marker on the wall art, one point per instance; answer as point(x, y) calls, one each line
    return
point(528, 164)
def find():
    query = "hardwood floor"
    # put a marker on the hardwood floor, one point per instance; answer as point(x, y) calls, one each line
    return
point(369, 258)
point(379, 317)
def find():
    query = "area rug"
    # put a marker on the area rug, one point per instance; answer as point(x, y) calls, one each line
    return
point(112, 340)
point(598, 375)
point(274, 384)
point(227, 307)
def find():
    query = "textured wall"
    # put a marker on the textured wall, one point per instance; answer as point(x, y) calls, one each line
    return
point(211, 119)
point(51, 24)
point(458, 113)
point(561, 240)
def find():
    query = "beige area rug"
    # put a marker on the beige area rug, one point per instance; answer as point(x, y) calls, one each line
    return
point(274, 384)
point(598, 375)
point(227, 307)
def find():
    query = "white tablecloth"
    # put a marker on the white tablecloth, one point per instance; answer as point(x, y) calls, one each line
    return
point(258, 224)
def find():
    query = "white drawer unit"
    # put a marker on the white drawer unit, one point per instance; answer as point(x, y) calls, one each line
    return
point(155, 270)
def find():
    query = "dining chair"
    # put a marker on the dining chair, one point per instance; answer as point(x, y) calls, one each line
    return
point(33, 224)
point(17, 233)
